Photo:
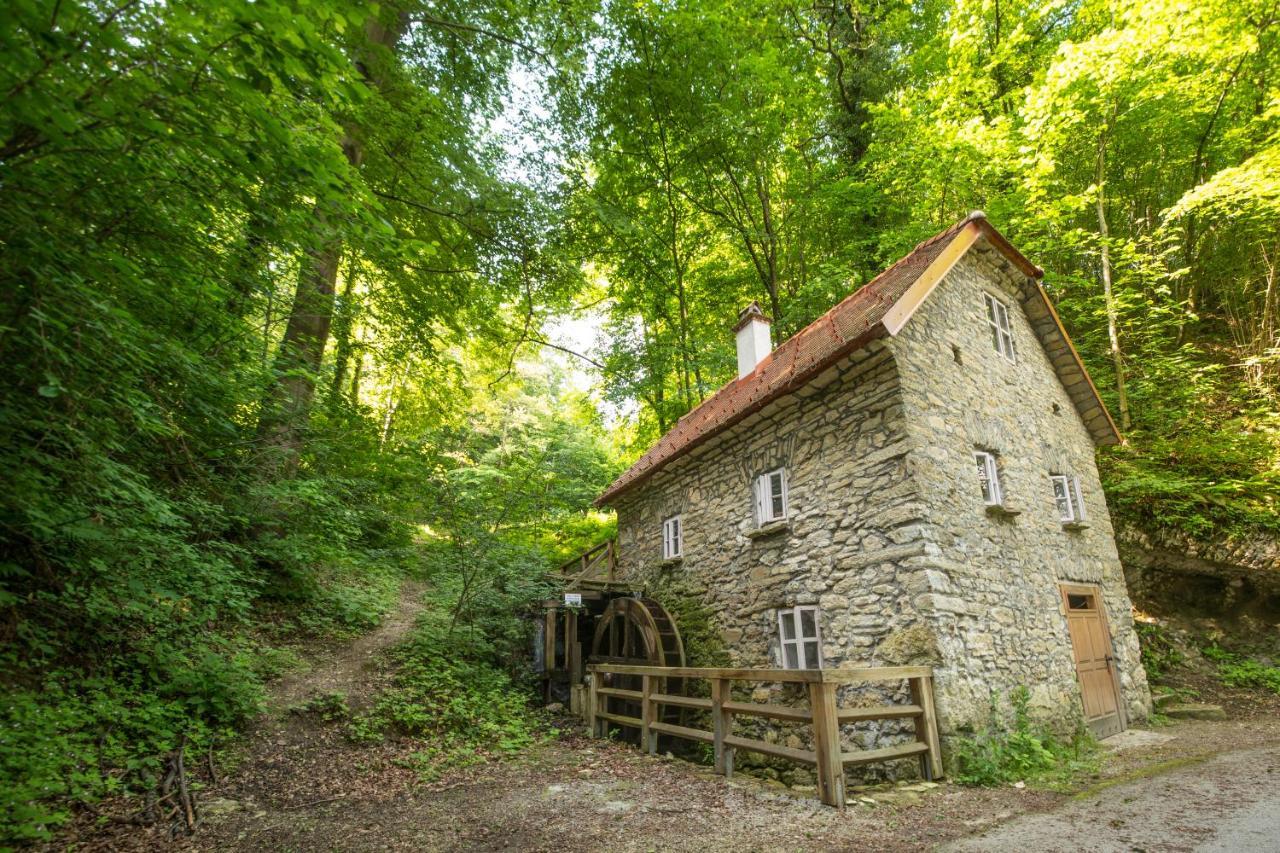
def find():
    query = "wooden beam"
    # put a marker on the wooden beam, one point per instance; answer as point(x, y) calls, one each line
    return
point(928, 721)
point(878, 712)
point(826, 744)
point(648, 714)
point(897, 316)
point(723, 723)
point(684, 732)
point(681, 701)
point(888, 753)
point(800, 756)
point(773, 712)
point(620, 719)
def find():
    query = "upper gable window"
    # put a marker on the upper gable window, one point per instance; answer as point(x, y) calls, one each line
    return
point(1069, 499)
point(771, 496)
point(673, 538)
point(989, 478)
point(998, 320)
point(801, 638)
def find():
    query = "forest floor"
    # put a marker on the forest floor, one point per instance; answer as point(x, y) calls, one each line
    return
point(298, 784)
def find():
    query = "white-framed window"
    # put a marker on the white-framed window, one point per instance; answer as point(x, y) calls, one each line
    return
point(1068, 497)
point(989, 478)
point(771, 496)
point(801, 637)
point(673, 537)
point(998, 320)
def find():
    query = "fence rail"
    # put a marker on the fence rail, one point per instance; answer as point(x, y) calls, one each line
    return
point(823, 713)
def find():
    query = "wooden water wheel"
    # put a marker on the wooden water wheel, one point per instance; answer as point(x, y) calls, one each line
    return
point(638, 631)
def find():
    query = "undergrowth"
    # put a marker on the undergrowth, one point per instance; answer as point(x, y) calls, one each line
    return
point(1236, 670)
point(458, 706)
point(1160, 654)
point(1021, 750)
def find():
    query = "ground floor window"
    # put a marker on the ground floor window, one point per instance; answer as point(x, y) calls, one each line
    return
point(801, 637)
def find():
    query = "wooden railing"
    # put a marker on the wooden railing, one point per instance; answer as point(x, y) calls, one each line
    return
point(823, 713)
point(597, 567)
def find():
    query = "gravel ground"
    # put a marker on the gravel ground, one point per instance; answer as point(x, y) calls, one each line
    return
point(1226, 803)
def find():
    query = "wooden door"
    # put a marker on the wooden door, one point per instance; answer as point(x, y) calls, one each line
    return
point(1095, 664)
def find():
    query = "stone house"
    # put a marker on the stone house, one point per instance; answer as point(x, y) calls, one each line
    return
point(909, 479)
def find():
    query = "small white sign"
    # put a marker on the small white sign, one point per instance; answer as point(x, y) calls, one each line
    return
point(573, 599)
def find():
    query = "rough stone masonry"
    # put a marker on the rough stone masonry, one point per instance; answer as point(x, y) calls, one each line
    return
point(887, 530)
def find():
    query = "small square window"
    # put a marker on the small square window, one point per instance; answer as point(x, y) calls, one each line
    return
point(1076, 601)
point(771, 496)
point(672, 538)
point(998, 321)
point(989, 478)
point(801, 637)
point(1068, 498)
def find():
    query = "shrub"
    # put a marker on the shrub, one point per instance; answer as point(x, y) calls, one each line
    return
point(1019, 751)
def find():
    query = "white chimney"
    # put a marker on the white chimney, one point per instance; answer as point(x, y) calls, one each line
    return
point(753, 338)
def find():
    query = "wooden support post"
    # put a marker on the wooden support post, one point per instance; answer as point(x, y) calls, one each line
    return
point(572, 651)
point(722, 720)
point(927, 727)
point(826, 743)
point(648, 713)
point(593, 704)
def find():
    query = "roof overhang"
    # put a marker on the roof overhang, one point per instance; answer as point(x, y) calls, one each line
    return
point(886, 314)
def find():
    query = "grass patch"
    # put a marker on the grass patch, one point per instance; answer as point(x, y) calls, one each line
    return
point(1142, 773)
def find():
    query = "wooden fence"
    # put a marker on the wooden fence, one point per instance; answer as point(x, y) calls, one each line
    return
point(823, 713)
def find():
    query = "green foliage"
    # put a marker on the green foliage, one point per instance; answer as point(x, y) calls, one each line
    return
point(1237, 670)
point(459, 705)
point(327, 706)
point(1159, 653)
point(1020, 750)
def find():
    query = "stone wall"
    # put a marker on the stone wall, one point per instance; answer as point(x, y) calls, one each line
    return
point(853, 522)
point(992, 583)
point(1229, 578)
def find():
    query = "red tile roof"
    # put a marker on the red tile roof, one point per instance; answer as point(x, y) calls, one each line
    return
point(850, 325)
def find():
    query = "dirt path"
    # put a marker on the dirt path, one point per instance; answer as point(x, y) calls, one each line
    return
point(576, 794)
point(346, 669)
point(1226, 803)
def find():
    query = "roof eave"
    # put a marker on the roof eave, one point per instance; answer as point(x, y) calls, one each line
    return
point(612, 493)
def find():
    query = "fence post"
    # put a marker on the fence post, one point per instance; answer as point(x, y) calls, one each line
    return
point(648, 737)
point(826, 743)
point(722, 722)
point(927, 727)
point(593, 699)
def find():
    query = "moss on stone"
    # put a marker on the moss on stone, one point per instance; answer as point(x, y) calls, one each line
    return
point(699, 629)
point(915, 644)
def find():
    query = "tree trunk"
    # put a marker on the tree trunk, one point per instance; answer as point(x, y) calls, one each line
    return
point(344, 327)
point(1104, 239)
point(287, 407)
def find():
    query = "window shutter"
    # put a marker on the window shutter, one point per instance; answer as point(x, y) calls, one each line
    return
point(1075, 485)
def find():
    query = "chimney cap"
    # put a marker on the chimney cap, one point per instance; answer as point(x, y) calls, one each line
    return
point(750, 313)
